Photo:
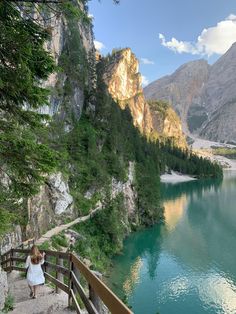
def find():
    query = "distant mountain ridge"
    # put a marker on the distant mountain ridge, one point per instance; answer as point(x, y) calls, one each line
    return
point(204, 96)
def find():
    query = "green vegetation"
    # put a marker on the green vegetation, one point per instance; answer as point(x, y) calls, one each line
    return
point(9, 304)
point(58, 241)
point(102, 236)
point(185, 161)
point(224, 151)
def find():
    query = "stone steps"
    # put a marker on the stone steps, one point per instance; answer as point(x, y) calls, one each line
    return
point(47, 301)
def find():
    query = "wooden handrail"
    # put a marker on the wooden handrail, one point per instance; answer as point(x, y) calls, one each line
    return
point(72, 286)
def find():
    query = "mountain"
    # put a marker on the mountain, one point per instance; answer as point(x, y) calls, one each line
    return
point(182, 88)
point(123, 80)
point(219, 99)
point(203, 95)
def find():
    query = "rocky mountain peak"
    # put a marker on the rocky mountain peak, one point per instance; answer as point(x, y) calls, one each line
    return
point(122, 73)
point(182, 88)
point(125, 86)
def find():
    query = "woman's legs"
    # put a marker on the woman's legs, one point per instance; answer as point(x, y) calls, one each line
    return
point(31, 291)
point(34, 291)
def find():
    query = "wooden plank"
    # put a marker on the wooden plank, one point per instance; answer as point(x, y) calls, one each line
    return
point(57, 254)
point(57, 283)
point(88, 304)
point(19, 259)
point(23, 251)
point(77, 307)
point(7, 269)
point(59, 276)
point(6, 261)
point(58, 268)
point(114, 304)
point(5, 254)
point(19, 268)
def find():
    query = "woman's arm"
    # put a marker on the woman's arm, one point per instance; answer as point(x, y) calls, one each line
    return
point(27, 263)
point(42, 260)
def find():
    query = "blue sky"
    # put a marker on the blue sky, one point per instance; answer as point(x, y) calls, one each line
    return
point(138, 23)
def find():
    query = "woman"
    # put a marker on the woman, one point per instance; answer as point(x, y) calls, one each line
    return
point(35, 276)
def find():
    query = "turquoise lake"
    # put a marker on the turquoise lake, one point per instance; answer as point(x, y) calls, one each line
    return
point(188, 263)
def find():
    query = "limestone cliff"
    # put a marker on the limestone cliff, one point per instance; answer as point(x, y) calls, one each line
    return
point(124, 84)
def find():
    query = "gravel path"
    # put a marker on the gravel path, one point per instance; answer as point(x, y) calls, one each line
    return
point(47, 236)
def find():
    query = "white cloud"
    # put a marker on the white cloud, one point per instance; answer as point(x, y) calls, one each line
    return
point(90, 15)
point(145, 81)
point(231, 17)
point(177, 46)
point(146, 61)
point(217, 39)
point(99, 45)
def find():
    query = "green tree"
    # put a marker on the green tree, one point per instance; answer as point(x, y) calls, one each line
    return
point(24, 63)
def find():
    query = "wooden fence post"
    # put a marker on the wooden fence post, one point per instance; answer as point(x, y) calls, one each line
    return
point(45, 261)
point(12, 256)
point(70, 284)
point(97, 302)
point(59, 275)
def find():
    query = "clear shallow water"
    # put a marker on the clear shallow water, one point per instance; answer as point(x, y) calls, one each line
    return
point(188, 264)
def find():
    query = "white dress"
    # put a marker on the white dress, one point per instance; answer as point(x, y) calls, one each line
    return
point(35, 274)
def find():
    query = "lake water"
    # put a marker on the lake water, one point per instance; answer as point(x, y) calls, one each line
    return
point(188, 263)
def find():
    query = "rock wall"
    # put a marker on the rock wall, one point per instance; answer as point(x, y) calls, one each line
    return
point(11, 239)
point(49, 207)
point(3, 288)
point(130, 195)
point(71, 42)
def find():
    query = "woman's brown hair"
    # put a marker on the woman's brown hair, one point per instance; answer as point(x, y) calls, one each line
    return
point(35, 255)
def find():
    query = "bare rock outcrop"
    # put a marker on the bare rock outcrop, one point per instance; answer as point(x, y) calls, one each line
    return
point(49, 206)
point(124, 84)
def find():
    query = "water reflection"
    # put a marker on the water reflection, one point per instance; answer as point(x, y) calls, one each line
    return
point(173, 211)
point(133, 277)
point(187, 264)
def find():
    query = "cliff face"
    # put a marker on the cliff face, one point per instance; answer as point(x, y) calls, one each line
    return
point(219, 99)
point(124, 85)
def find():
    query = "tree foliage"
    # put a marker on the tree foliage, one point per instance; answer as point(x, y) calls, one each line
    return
point(24, 63)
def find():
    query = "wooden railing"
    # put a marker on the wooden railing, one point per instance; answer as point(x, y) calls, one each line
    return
point(68, 273)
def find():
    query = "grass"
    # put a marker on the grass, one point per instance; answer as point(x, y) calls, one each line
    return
point(9, 304)
point(224, 151)
point(58, 241)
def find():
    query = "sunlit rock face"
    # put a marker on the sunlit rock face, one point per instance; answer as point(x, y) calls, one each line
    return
point(166, 123)
point(125, 86)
